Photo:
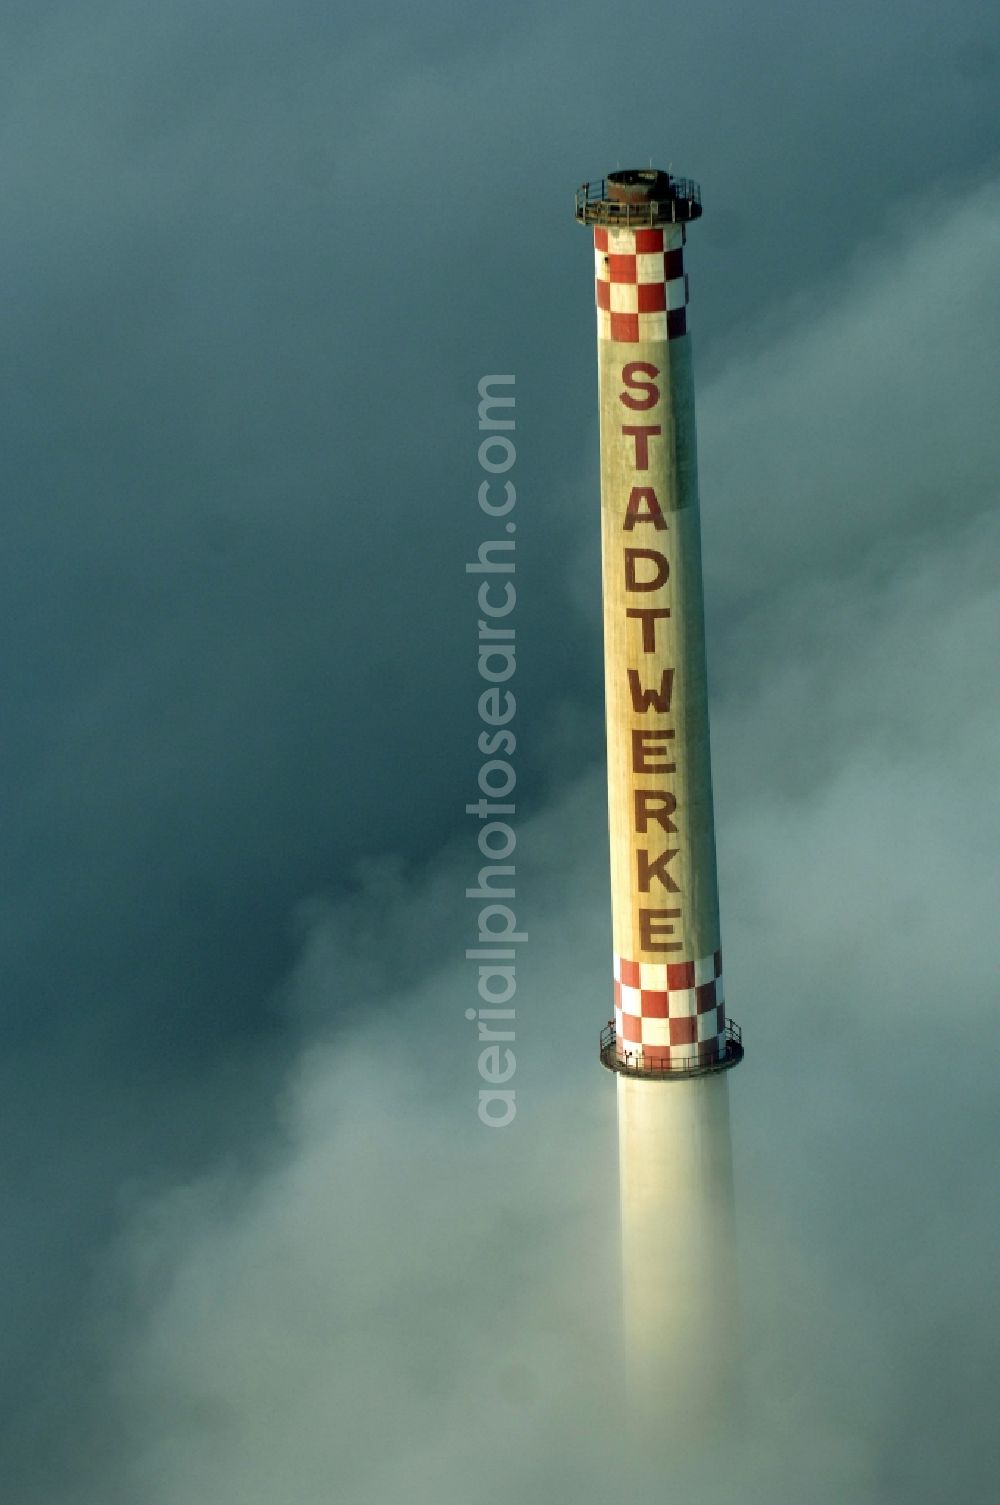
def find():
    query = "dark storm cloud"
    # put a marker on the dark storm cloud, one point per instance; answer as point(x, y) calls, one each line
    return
point(255, 259)
point(381, 1249)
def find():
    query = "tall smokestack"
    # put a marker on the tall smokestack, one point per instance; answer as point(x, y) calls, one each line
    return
point(670, 1042)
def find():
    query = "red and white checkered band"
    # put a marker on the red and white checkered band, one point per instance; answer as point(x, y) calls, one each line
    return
point(670, 1013)
point(642, 289)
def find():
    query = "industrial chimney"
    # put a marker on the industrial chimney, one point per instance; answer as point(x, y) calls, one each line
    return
point(670, 1041)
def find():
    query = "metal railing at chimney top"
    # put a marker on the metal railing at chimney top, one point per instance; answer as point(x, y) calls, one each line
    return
point(683, 202)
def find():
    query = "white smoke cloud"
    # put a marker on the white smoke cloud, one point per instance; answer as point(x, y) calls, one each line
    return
point(401, 1305)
